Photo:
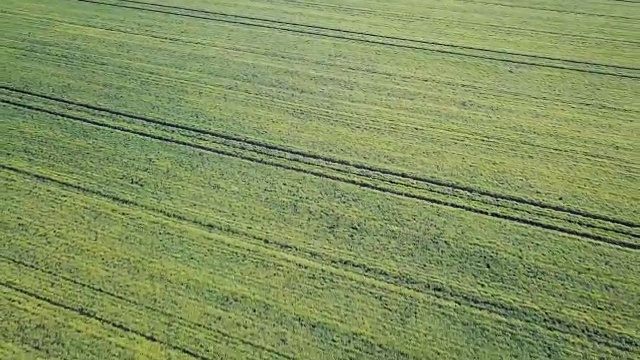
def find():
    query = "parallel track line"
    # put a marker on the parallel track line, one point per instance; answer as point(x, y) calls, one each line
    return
point(369, 41)
point(356, 182)
point(498, 91)
point(332, 160)
point(568, 12)
point(402, 16)
point(104, 321)
point(379, 36)
point(147, 307)
point(532, 316)
point(260, 150)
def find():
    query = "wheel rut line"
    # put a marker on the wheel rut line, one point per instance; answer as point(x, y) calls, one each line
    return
point(146, 307)
point(375, 42)
point(403, 16)
point(518, 96)
point(92, 316)
point(357, 182)
point(287, 105)
point(569, 12)
point(362, 33)
point(332, 160)
point(441, 291)
point(484, 90)
point(158, 78)
point(398, 128)
point(186, 321)
point(433, 190)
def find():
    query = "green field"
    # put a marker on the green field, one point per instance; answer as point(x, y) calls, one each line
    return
point(339, 179)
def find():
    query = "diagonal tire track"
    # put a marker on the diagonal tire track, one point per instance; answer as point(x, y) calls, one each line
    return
point(259, 149)
point(484, 90)
point(104, 321)
point(357, 182)
point(377, 42)
point(352, 119)
point(530, 315)
point(400, 128)
point(560, 11)
point(421, 17)
point(101, 291)
point(379, 36)
point(337, 161)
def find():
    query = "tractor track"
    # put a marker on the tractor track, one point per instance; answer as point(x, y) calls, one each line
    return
point(286, 155)
point(379, 36)
point(560, 11)
point(548, 320)
point(275, 26)
point(367, 10)
point(349, 180)
point(304, 320)
point(104, 321)
point(484, 90)
point(439, 290)
point(168, 315)
point(396, 127)
point(404, 16)
point(333, 160)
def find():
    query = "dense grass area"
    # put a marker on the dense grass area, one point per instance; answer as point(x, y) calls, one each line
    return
point(301, 180)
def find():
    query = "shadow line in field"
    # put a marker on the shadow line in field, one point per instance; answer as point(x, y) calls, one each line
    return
point(380, 42)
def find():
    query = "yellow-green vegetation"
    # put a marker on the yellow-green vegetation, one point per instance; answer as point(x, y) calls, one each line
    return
point(283, 179)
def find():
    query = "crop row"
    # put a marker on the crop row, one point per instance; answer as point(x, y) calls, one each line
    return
point(374, 39)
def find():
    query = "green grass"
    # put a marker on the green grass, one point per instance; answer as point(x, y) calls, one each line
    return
point(263, 229)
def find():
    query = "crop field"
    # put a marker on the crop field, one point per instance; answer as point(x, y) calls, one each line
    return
point(337, 179)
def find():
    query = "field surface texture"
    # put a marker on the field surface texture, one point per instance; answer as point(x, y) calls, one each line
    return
point(339, 179)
